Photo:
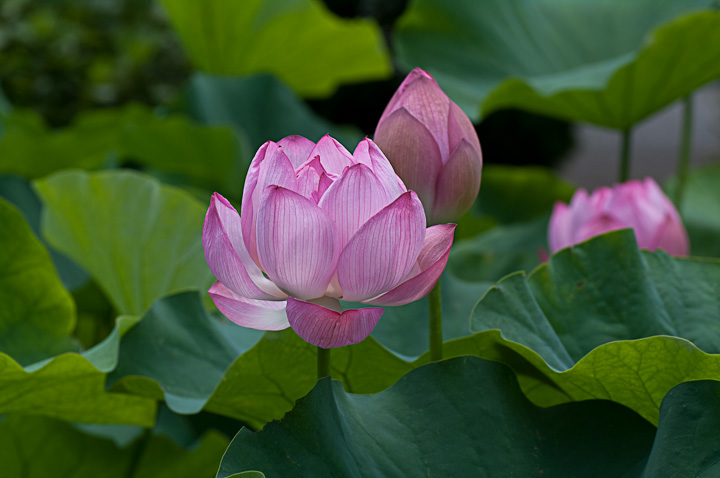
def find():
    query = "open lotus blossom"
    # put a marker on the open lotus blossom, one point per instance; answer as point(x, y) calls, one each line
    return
point(433, 147)
point(317, 225)
point(640, 205)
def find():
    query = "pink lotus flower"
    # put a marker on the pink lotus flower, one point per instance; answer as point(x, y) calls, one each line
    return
point(433, 147)
point(639, 205)
point(317, 225)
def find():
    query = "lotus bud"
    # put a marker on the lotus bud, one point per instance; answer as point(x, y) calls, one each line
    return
point(640, 205)
point(432, 146)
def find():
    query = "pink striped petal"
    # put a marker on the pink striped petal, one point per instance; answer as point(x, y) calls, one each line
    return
point(432, 260)
point(333, 155)
point(227, 256)
point(256, 314)
point(327, 328)
point(297, 243)
point(273, 168)
point(413, 153)
point(353, 199)
point(460, 127)
point(308, 179)
point(368, 153)
point(297, 148)
point(457, 185)
point(383, 251)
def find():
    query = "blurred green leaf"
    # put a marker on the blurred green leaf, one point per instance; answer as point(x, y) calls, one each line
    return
point(700, 209)
point(603, 320)
point(211, 157)
point(260, 106)
point(404, 329)
point(72, 387)
point(464, 417)
point(500, 251)
point(35, 447)
point(139, 240)
point(300, 41)
point(517, 194)
point(607, 62)
point(37, 314)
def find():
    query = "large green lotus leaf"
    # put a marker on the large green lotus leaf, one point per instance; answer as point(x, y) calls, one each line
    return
point(699, 210)
point(37, 314)
point(19, 192)
point(603, 320)
point(300, 41)
point(71, 386)
point(177, 354)
point(607, 62)
point(464, 417)
point(262, 107)
point(140, 240)
point(36, 447)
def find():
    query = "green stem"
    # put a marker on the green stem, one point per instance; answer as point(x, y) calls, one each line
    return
point(435, 324)
point(138, 452)
point(323, 362)
point(625, 156)
point(684, 159)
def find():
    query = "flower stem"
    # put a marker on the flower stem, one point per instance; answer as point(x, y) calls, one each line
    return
point(624, 174)
point(684, 159)
point(435, 324)
point(323, 362)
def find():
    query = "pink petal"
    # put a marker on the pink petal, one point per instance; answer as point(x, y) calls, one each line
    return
point(460, 127)
point(333, 155)
point(458, 184)
point(368, 153)
point(671, 237)
point(353, 199)
point(383, 251)
point(327, 328)
point(256, 314)
point(297, 243)
point(393, 104)
point(598, 225)
point(227, 256)
point(432, 260)
point(297, 148)
point(271, 168)
point(560, 235)
point(413, 153)
point(428, 103)
point(308, 179)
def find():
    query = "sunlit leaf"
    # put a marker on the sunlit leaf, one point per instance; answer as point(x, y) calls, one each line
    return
point(37, 314)
point(299, 41)
point(72, 387)
point(139, 240)
point(41, 447)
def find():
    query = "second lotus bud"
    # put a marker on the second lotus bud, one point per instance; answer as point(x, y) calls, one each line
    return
point(432, 146)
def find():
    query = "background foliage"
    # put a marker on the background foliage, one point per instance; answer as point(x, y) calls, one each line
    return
point(119, 118)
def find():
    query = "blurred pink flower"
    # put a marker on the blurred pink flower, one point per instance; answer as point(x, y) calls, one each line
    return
point(319, 224)
point(433, 147)
point(639, 205)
